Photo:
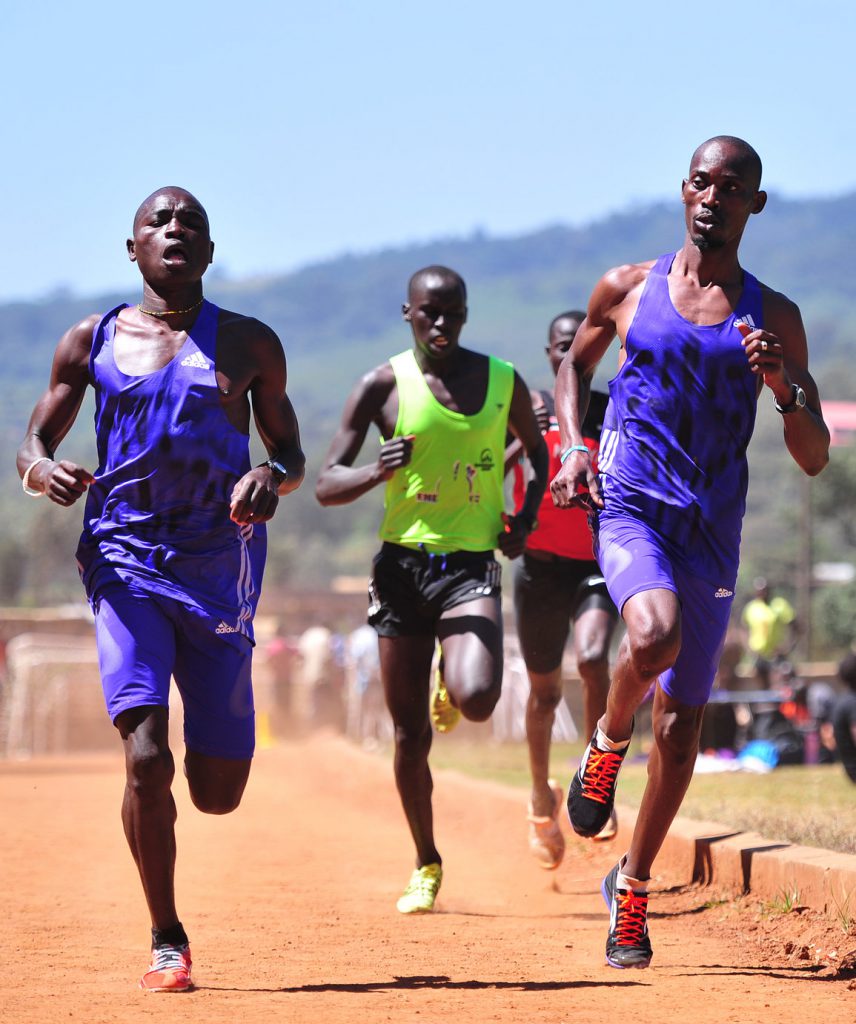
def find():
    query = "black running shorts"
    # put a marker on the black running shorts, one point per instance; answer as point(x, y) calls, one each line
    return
point(409, 589)
point(547, 597)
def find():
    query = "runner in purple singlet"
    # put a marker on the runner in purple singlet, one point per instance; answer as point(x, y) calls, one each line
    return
point(700, 339)
point(173, 542)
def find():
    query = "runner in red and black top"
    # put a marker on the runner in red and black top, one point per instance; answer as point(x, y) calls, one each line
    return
point(555, 582)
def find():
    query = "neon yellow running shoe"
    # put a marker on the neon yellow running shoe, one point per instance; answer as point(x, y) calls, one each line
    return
point(421, 891)
point(444, 714)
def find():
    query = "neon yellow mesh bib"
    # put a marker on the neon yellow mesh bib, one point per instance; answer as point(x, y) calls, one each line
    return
point(450, 497)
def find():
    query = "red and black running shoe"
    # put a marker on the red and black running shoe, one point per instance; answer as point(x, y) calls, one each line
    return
point(627, 944)
point(169, 970)
point(591, 794)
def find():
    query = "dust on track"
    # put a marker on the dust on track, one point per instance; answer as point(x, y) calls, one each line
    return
point(290, 906)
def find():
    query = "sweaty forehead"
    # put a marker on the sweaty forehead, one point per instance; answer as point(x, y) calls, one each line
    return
point(169, 198)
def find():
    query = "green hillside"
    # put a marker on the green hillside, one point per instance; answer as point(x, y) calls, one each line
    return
point(341, 317)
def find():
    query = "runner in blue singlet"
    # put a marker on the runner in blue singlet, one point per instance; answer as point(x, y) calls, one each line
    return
point(173, 541)
point(700, 338)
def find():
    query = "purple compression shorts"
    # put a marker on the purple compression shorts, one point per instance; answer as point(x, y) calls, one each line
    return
point(144, 639)
point(634, 558)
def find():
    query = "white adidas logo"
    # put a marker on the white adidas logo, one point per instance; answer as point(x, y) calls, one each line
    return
point(196, 360)
point(224, 627)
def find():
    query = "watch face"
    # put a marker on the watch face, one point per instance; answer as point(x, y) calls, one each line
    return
point(277, 467)
point(799, 397)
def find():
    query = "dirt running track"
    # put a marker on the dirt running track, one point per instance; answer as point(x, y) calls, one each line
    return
point(290, 905)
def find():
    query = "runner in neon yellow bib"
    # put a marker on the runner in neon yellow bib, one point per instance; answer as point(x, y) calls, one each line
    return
point(450, 495)
point(443, 412)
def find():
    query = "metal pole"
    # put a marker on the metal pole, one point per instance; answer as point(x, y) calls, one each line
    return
point(805, 569)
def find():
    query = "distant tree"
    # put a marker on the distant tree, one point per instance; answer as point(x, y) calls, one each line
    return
point(835, 494)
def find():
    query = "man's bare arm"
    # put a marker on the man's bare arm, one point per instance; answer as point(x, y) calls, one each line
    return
point(339, 482)
point(573, 383)
point(523, 423)
point(255, 496)
point(54, 415)
point(514, 449)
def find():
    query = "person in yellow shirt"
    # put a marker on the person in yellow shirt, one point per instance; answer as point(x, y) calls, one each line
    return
point(771, 630)
point(442, 413)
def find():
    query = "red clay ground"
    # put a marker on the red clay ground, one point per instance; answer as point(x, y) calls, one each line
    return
point(290, 905)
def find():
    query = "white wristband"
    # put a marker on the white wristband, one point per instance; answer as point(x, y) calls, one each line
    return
point(25, 483)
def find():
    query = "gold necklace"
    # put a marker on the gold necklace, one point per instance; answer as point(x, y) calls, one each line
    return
point(169, 312)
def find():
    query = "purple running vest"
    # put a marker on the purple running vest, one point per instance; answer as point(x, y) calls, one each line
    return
point(680, 416)
point(157, 515)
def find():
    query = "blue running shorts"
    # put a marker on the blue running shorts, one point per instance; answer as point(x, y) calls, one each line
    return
point(635, 558)
point(145, 638)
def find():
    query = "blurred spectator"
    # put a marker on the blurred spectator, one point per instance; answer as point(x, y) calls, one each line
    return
point(771, 626)
point(281, 654)
point(844, 716)
point(367, 716)
point(317, 697)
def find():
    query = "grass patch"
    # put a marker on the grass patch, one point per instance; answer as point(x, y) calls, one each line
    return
point(812, 805)
point(784, 902)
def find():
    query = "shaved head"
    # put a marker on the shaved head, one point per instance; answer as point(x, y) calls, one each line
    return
point(171, 190)
point(436, 277)
point(746, 157)
point(572, 314)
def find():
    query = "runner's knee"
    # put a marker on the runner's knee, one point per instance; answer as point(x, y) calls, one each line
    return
point(544, 699)
point(475, 685)
point(215, 790)
point(592, 663)
point(478, 704)
point(412, 743)
point(220, 801)
point(149, 771)
point(654, 646)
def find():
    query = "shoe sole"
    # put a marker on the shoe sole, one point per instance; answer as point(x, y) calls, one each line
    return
point(607, 899)
point(605, 837)
point(162, 988)
point(629, 967)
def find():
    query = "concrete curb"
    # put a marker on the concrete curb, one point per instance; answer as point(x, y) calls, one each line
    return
point(711, 854)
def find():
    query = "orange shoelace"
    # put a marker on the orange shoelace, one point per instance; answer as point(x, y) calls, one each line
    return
point(599, 775)
point(631, 919)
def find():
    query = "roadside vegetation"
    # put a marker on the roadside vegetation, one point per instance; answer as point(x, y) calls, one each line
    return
point(808, 805)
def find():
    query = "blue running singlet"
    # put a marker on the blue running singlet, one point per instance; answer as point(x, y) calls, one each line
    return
point(157, 515)
point(680, 416)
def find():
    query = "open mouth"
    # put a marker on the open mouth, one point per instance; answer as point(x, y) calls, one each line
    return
point(175, 254)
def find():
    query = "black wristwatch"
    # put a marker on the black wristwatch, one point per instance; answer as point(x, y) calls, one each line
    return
point(277, 468)
point(797, 401)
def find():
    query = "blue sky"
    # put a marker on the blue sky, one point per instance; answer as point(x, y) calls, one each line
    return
point(313, 129)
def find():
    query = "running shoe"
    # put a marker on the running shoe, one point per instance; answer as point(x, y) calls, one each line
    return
point(609, 830)
point(169, 971)
point(421, 891)
point(444, 714)
point(591, 795)
point(627, 944)
point(546, 841)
